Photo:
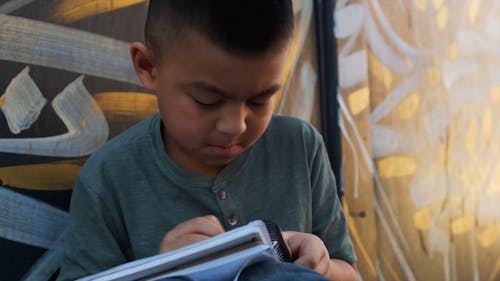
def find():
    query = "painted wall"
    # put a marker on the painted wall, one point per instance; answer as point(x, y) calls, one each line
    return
point(66, 87)
point(420, 99)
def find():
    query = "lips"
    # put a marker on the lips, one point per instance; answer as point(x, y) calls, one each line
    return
point(225, 150)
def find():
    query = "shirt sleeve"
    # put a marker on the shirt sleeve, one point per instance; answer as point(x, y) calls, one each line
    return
point(329, 222)
point(91, 245)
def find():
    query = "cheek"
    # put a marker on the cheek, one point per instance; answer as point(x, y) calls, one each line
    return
point(183, 121)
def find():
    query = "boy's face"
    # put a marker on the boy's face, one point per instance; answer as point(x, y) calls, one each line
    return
point(214, 104)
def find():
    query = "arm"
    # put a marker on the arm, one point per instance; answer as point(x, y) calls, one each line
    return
point(328, 249)
point(91, 245)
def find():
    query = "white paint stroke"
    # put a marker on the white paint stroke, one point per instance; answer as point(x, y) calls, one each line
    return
point(487, 205)
point(371, 167)
point(341, 4)
point(473, 249)
point(87, 127)
point(387, 141)
point(353, 69)
point(23, 102)
point(464, 95)
point(446, 262)
point(30, 221)
point(13, 5)
point(453, 262)
point(439, 242)
point(306, 10)
point(50, 261)
point(454, 71)
point(490, 176)
point(381, 49)
point(421, 192)
point(302, 106)
point(349, 44)
point(492, 28)
point(39, 43)
point(435, 122)
point(348, 20)
point(404, 47)
point(392, 240)
point(380, 273)
point(471, 43)
point(355, 156)
point(397, 95)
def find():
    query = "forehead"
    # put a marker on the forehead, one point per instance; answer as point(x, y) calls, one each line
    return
point(193, 57)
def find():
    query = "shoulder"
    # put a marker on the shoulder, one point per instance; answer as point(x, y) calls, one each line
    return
point(288, 129)
point(122, 151)
point(289, 139)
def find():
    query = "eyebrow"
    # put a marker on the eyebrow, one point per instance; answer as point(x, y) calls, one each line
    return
point(210, 88)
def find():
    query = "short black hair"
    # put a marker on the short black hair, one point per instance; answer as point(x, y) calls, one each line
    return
point(243, 27)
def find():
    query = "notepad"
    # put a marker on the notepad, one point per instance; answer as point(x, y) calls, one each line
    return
point(222, 257)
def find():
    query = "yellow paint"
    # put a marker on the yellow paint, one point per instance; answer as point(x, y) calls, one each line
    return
point(379, 71)
point(487, 123)
point(453, 51)
point(489, 235)
point(359, 100)
point(421, 5)
point(495, 272)
point(83, 123)
point(409, 106)
point(470, 138)
point(442, 18)
point(494, 185)
point(437, 4)
point(122, 106)
point(50, 176)
point(67, 11)
point(3, 101)
point(494, 92)
point(390, 268)
point(462, 224)
point(475, 5)
point(353, 232)
point(396, 166)
point(433, 75)
point(422, 219)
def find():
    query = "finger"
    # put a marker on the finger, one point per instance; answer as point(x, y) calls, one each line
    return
point(173, 243)
point(309, 250)
point(294, 240)
point(200, 225)
point(309, 260)
point(216, 222)
point(324, 265)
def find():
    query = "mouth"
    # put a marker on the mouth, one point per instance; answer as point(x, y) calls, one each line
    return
point(225, 150)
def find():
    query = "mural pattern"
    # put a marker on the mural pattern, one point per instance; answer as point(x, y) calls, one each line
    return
point(419, 83)
point(66, 87)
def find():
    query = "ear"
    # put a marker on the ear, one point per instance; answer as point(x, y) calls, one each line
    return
point(144, 65)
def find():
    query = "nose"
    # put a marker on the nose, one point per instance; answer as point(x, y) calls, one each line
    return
point(232, 121)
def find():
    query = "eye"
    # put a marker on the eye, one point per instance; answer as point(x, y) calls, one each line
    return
point(207, 102)
point(259, 101)
point(256, 103)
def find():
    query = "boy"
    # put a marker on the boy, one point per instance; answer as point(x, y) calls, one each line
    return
point(215, 157)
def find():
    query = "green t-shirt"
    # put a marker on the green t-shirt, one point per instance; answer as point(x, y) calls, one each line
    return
point(130, 193)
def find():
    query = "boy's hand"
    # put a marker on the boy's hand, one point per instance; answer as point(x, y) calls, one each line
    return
point(308, 250)
point(191, 231)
